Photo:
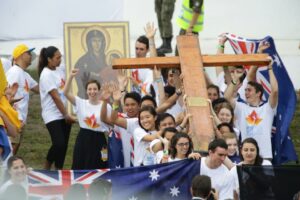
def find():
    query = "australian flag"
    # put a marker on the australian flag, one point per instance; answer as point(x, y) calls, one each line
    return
point(115, 150)
point(283, 148)
point(164, 181)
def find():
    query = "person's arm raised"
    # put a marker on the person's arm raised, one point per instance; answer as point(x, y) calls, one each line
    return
point(273, 99)
point(105, 95)
point(115, 119)
point(67, 89)
point(150, 33)
point(232, 87)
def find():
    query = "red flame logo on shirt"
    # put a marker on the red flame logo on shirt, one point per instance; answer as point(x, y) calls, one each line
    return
point(62, 84)
point(253, 118)
point(91, 122)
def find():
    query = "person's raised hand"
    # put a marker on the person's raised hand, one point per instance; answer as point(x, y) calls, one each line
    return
point(122, 80)
point(105, 92)
point(117, 94)
point(74, 72)
point(150, 30)
point(156, 73)
point(263, 45)
point(222, 38)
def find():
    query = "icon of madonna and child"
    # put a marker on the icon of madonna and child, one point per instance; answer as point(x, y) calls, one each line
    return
point(95, 64)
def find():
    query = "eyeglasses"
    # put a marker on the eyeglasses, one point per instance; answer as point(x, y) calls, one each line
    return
point(183, 144)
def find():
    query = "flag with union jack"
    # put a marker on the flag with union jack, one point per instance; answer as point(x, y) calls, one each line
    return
point(44, 184)
point(283, 148)
point(164, 181)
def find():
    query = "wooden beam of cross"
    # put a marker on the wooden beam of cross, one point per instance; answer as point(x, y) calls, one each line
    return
point(191, 63)
point(208, 61)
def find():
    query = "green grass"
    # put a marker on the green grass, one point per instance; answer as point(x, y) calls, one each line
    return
point(36, 141)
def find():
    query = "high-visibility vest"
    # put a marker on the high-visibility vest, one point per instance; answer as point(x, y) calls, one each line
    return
point(186, 15)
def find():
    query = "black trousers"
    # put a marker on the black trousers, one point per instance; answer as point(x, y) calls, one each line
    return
point(59, 131)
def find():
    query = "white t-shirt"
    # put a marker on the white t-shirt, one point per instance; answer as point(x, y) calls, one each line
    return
point(140, 146)
point(159, 156)
point(89, 115)
point(234, 174)
point(17, 75)
point(152, 143)
point(175, 109)
point(256, 122)
point(174, 159)
point(126, 137)
point(221, 179)
point(51, 80)
point(145, 79)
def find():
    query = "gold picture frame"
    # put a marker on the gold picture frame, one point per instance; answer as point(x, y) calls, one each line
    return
point(90, 47)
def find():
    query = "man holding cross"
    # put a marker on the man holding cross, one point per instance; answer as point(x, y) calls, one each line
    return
point(255, 117)
point(191, 63)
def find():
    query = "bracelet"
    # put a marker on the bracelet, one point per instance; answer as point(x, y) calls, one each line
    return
point(181, 127)
point(115, 107)
point(270, 68)
point(234, 83)
point(166, 152)
point(158, 80)
point(221, 46)
point(178, 92)
point(122, 91)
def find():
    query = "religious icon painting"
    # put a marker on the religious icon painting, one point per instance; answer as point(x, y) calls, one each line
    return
point(90, 47)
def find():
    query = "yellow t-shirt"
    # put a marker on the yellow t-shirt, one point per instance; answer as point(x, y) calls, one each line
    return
point(5, 106)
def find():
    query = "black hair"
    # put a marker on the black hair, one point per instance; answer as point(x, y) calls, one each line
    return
point(258, 158)
point(169, 129)
point(258, 88)
point(151, 110)
point(170, 90)
point(13, 159)
point(93, 81)
point(143, 39)
point(161, 117)
point(214, 87)
point(44, 55)
point(147, 97)
point(228, 125)
point(133, 95)
point(201, 186)
point(173, 143)
point(217, 143)
point(218, 101)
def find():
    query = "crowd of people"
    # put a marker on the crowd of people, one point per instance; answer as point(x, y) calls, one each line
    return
point(147, 109)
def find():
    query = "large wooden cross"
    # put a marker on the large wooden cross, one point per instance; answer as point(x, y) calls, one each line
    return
point(191, 63)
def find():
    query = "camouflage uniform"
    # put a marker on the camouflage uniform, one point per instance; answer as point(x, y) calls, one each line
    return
point(164, 11)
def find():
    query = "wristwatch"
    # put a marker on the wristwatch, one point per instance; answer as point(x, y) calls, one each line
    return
point(178, 92)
